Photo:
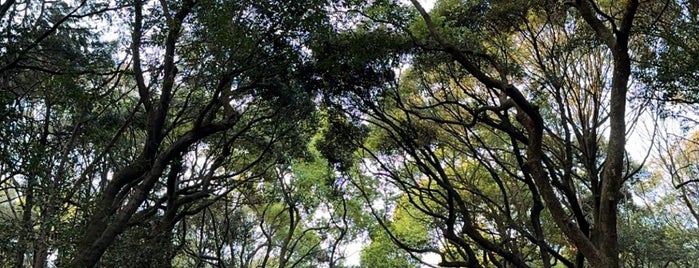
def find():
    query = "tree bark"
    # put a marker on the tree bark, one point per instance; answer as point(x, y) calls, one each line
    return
point(149, 165)
point(617, 40)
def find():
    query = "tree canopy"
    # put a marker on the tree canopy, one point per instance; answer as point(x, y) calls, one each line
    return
point(322, 133)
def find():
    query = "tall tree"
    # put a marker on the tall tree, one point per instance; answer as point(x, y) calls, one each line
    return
point(488, 133)
point(524, 91)
point(209, 98)
point(212, 81)
point(52, 67)
point(601, 246)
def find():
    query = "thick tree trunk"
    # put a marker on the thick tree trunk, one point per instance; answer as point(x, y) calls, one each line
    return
point(612, 177)
point(104, 225)
point(617, 40)
point(41, 252)
point(149, 166)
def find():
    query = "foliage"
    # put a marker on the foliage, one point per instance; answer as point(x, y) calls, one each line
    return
point(210, 133)
point(668, 64)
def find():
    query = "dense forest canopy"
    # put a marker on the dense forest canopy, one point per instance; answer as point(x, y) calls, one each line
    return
point(323, 133)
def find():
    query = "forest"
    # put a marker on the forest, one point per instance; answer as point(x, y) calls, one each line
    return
point(349, 133)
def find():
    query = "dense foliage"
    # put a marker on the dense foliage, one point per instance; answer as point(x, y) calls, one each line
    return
point(322, 133)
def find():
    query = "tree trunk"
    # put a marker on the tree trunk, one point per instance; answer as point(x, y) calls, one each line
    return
point(26, 231)
point(612, 177)
point(617, 40)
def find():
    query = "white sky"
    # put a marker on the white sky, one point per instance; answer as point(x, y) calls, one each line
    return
point(426, 4)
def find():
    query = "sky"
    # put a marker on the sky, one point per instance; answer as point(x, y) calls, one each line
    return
point(426, 4)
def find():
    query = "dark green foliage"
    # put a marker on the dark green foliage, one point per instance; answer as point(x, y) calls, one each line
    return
point(668, 55)
point(355, 65)
point(340, 140)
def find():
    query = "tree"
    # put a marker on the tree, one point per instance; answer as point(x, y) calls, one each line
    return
point(668, 64)
point(292, 218)
point(213, 81)
point(603, 251)
point(50, 66)
point(676, 162)
point(210, 101)
point(526, 99)
point(408, 227)
point(248, 133)
point(658, 227)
